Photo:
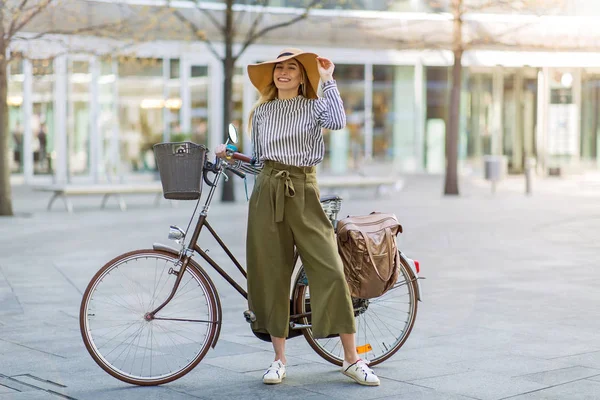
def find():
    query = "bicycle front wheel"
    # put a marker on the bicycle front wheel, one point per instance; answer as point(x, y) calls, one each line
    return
point(382, 324)
point(127, 345)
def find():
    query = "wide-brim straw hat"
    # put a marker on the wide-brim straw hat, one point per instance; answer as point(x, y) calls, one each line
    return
point(261, 75)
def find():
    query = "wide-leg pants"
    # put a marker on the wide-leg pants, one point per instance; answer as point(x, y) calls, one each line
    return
point(284, 212)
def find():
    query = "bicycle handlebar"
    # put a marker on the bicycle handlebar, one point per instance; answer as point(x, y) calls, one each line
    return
point(241, 157)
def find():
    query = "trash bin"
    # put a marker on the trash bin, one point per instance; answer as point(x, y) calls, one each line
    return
point(495, 167)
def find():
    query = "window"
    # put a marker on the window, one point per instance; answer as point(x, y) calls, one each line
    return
point(141, 105)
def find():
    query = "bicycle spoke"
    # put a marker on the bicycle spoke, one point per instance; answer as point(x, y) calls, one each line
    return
point(134, 348)
point(382, 324)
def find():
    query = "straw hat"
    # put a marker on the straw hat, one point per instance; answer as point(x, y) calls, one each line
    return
point(261, 75)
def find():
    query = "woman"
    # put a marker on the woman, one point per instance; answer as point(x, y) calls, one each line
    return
point(284, 209)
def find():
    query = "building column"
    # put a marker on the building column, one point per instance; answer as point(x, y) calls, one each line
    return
point(403, 128)
point(368, 112)
point(463, 139)
point(476, 98)
point(96, 150)
point(27, 105)
point(542, 117)
point(420, 112)
point(517, 140)
point(116, 133)
point(166, 115)
point(497, 103)
point(184, 92)
point(577, 100)
point(215, 104)
point(60, 120)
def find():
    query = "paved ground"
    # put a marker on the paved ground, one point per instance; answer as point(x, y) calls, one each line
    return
point(509, 311)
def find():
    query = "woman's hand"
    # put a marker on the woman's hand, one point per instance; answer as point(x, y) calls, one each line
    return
point(221, 151)
point(325, 67)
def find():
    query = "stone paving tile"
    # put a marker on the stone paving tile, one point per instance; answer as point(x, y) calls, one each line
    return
point(426, 394)
point(588, 359)
point(227, 348)
point(584, 389)
point(337, 386)
point(410, 370)
point(37, 395)
point(130, 392)
point(257, 391)
point(256, 361)
point(512, 365)
point(449, 354)
point(6, 390)
point(563, 375)
point(481, 385)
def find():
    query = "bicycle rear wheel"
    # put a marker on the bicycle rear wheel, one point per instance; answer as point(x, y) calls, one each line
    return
point(382, 324)
point(156, 351)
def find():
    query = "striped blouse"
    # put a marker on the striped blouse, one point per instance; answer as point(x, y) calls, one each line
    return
point(289, 131)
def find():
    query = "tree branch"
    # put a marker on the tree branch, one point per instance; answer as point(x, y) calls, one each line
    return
point(251, 39)
point(198, 33)
point(33, 12)
point(256, 22)
point(486, 5)
point(490, 39)
point(212, 18)
point(14, 20)
point(89, 29)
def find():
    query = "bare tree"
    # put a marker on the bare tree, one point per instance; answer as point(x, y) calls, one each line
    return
point(30, 20)
point(459, 9)
point(228, 32)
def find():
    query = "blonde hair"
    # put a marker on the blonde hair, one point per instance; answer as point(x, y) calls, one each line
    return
point(270, 93)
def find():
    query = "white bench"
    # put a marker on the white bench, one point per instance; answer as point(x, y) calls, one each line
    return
point(108, 190)
point(379, 182)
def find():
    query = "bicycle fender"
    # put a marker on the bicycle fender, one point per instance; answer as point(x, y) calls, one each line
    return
point(413, 270)
point(164, 247)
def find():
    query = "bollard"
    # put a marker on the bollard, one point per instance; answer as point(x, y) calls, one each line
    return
point(529, 167)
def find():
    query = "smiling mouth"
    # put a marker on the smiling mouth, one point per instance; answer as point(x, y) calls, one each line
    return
point(284, 80)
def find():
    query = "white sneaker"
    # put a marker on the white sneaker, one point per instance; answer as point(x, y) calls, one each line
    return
point(275, 373)
point(360, 372)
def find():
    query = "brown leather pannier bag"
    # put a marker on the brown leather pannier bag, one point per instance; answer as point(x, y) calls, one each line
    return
point(367, 246)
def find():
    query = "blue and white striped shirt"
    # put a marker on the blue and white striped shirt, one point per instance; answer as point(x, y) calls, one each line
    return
point(290, 131)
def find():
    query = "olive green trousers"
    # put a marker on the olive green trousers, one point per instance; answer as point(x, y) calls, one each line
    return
point(285, 212)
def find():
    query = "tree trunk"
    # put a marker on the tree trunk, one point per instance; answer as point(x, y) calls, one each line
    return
point(451, 181)
point(5, 189)
point(228, 68)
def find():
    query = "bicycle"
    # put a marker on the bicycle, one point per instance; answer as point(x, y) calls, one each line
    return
point(156, 326)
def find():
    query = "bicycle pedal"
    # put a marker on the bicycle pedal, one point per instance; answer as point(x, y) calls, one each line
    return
point(249, 316)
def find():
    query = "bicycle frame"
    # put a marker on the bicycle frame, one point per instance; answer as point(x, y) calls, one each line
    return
point(193, 246)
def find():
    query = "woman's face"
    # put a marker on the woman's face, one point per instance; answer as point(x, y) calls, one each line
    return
point(287, 75)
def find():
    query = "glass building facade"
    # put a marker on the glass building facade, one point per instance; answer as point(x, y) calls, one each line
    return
point(77, 117)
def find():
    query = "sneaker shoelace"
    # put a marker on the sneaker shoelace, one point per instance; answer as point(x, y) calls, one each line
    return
point(275, 367)
point(364, 367)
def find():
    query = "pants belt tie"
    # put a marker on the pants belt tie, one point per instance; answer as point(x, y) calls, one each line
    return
point(287, 190)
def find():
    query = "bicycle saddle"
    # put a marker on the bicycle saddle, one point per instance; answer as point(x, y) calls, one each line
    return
point(330, 197)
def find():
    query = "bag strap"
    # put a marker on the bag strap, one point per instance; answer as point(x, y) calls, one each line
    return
point(388, 235)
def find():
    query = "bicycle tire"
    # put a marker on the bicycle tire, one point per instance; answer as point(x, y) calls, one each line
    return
point(302, 305)
point(92, 341)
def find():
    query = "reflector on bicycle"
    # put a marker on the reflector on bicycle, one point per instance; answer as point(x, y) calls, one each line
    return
point(364, 349)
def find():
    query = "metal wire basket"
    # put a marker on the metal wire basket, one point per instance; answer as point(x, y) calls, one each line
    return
point(180, 166)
